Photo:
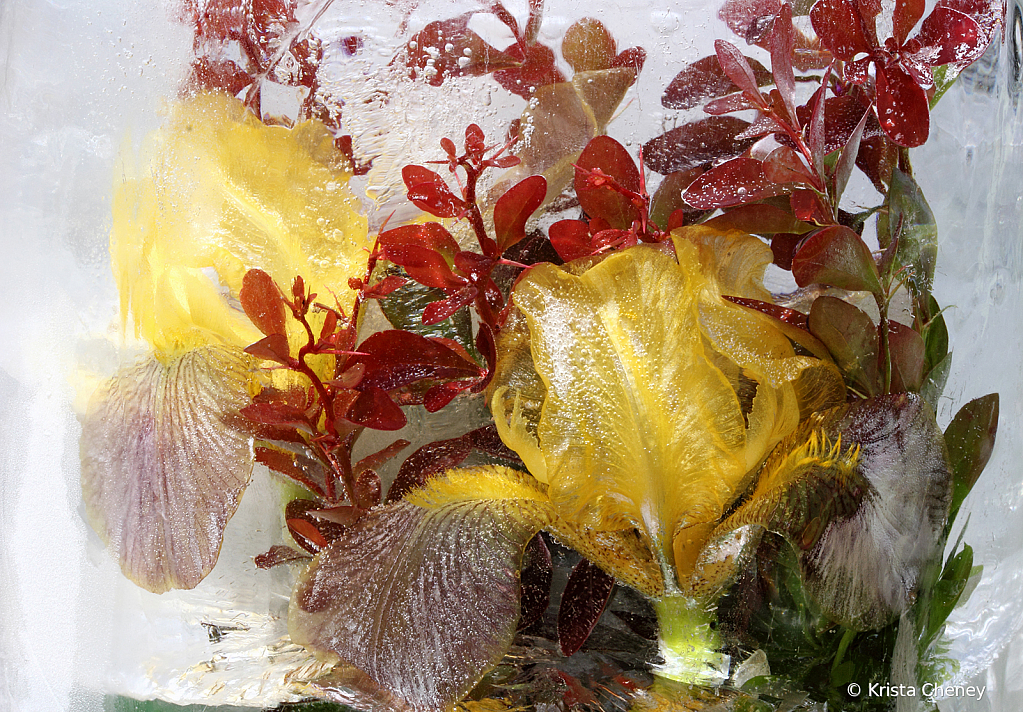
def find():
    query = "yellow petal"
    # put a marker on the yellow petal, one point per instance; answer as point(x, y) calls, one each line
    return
point(638, 428)
point(216, 193)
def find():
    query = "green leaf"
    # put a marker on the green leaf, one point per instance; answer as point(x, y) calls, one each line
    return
point(851, 338)
point(836, 256)
point(944, 77)
point(935, 335)
point(421, 597)
point(911, 220)
point(970, 437)
point(946, 592)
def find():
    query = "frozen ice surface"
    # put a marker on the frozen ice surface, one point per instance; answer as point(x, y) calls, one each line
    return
point(79, 78)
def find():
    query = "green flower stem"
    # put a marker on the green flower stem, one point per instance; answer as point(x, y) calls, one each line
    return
point(689, 643)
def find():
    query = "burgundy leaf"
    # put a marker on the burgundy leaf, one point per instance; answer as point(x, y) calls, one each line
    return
point(536, 575)
point(789, 316)
point(214, 75)
point(428, 191)
point(815, 132)
point(487, 346)
point(749, 19)
point(808, 206)
point(271, 348)
point(951, 37)
point(783, 246)
point(696, 143)
point(308, 530)
point(448, 48)
point(384, 287)
point(426, 266)
point(429, 460)
point(729, 104)
point(431, 235)
point(396, 358)
point(538, 68)
point(634, 58)
point(603, 163)
point(515, 207)
point(367, 489)
point(440, 395)
point(488, 441)
point(306, 535)
point(759, 219)
point(837, 23)
point(571, 239)
point(735, 182)
point(902, 107)
point(286, 463)
point(277, 414)
point(851, 338)
point(836, 256)
point(735, 66)
point(907, 14)
point(372, 462)
point(374, 409)
point(704, 79)
point(586, 595)
point(277, 555)
point(907, 357)
point(262, 302)
point(847, 159)
point(784, 165)
point(436, 312)
point(782, 44)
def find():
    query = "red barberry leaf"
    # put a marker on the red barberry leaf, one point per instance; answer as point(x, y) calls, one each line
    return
point(904, 18)
point(634, 58)
point(759, 219)
point(428, 191)
point(783, 165)
point(808, 206)
point(372, 462)
point(374, 409)
point(535, 577)
point(789, 316)
point(749, 19)
point(277, 555)
point(515, 207)
point(668, 197)
point(278, 413)
point(902, 107)
point(696, 143)
point(838, 257)
point(443, 393)
point(735, 182)
point(272, 348)
point(908, 354)
point(367, 489)
point(262, 302)
point(395, 358)
point(782, 44)
point(604, 164)
point(729, 104)
point(738, 69)
point(571, 239)
point(951, 37)
point(426, 266)
point(538, 68)
point(431, 459)
point(586, 595)
point(436, 312)
point(217, 75)
point(704, 79)
point(448, 48)
point(837, 23)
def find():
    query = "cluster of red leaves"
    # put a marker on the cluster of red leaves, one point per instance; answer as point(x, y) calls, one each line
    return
point(273, 48)
point(449, 48)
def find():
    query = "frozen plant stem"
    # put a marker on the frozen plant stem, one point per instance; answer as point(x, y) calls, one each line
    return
point(689, 642)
